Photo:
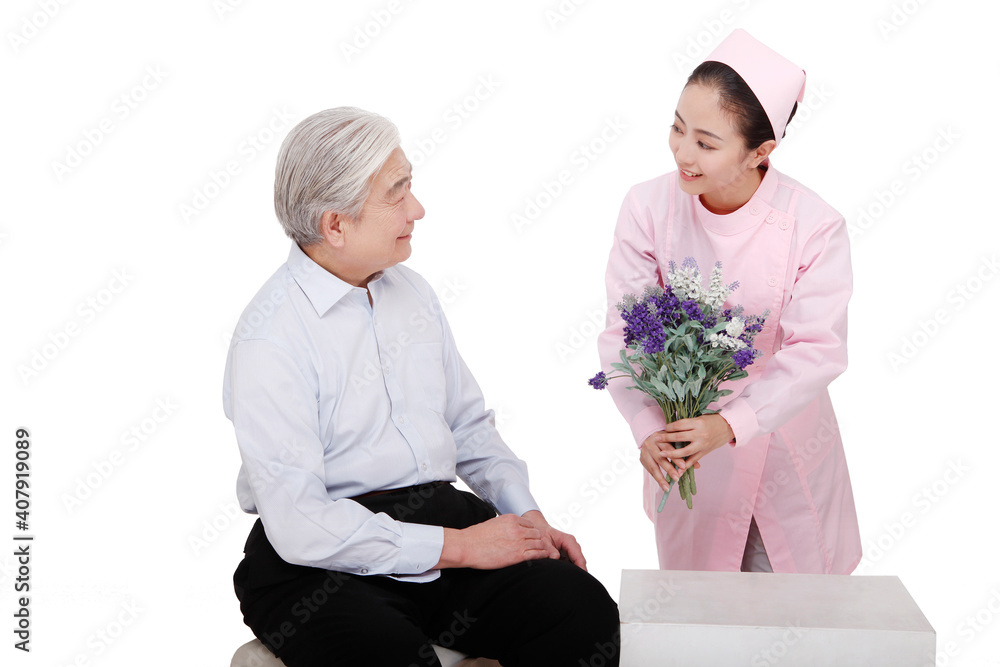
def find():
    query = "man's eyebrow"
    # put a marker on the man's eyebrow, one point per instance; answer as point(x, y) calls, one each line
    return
point(697, 130)
point(401, 182)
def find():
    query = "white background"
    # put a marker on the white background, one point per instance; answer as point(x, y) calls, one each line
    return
point(135, 545)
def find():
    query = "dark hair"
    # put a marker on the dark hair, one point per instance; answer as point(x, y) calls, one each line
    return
point(738, 101)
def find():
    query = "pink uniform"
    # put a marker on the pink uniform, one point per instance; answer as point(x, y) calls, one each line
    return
point(789, 251)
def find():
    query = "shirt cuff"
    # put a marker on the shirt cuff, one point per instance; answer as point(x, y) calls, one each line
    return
point(742, 419)
point(420, 548)
point(516, 499)
point(646, 423)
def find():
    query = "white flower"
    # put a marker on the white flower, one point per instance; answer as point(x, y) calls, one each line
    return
point(735, 327)
point(726, 342)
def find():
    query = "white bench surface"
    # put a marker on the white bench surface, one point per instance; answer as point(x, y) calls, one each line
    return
point(763, 618)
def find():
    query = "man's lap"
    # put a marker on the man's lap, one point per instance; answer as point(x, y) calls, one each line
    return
point(508, 613)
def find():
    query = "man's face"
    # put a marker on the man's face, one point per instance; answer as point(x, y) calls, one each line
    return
point(381, 237)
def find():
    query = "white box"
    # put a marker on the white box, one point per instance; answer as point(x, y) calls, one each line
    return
point(724, 619)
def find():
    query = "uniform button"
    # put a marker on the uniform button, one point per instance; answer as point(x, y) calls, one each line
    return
point(772, 281)
point(784, 224)
point(424, 467)
point(754, 209)
point(364, 570)
point(770, 219)
point(400, 419)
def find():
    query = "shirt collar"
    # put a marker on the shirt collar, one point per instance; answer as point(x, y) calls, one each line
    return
point(322, 288)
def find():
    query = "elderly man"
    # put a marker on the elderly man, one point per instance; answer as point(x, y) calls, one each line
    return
point(354, 413)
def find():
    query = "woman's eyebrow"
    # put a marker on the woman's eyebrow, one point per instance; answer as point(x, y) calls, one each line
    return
point(715, 136)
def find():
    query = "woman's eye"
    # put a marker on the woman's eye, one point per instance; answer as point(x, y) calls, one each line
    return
point(706, 147)
point(675, 129)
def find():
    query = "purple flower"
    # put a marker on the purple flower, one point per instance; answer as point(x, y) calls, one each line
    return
point(654, 342)
point(743, 358)
point(692, 309)
point(599, 381)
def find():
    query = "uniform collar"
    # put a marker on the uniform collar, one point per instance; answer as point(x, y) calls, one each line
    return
point(322, 288)
point(746, 216)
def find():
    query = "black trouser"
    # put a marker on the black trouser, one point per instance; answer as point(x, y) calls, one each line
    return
point(542, 612)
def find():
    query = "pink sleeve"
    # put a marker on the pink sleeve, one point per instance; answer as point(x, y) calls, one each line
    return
point(631, 267)
point(813, 349)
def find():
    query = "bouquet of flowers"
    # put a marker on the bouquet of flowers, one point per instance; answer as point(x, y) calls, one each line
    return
point(680, 346)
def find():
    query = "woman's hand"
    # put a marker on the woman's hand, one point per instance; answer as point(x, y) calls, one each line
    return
point(704, 434)
point(656, 456)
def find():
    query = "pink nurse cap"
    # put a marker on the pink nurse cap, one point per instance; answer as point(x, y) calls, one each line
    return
point(776, 81)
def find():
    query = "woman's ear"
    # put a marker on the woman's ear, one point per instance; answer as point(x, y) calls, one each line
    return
point(758, 154)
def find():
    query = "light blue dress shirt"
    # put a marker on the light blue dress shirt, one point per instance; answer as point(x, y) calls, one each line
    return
point(332, 397)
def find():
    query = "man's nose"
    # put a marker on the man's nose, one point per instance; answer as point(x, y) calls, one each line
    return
point(416, 208)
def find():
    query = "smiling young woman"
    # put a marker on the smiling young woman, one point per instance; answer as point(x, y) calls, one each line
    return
point(774, 490)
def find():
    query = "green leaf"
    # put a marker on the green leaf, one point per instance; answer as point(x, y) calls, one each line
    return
point(664, 389)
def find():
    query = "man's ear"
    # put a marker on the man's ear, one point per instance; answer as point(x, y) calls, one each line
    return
point(333, 226)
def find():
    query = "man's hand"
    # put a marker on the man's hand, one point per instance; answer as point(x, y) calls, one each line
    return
point(558, 544)
point(490, 545)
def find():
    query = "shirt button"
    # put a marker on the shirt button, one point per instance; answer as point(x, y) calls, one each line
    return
point(784, 224)
point(772, 281)
point(770, 219)
point(364, 570)
point(423, 467)
point(400, 419)
point(754, 209)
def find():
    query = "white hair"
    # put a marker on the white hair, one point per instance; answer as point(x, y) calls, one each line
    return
point(328, 162)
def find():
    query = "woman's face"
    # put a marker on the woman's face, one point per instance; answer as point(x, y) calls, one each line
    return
point(710, 154)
